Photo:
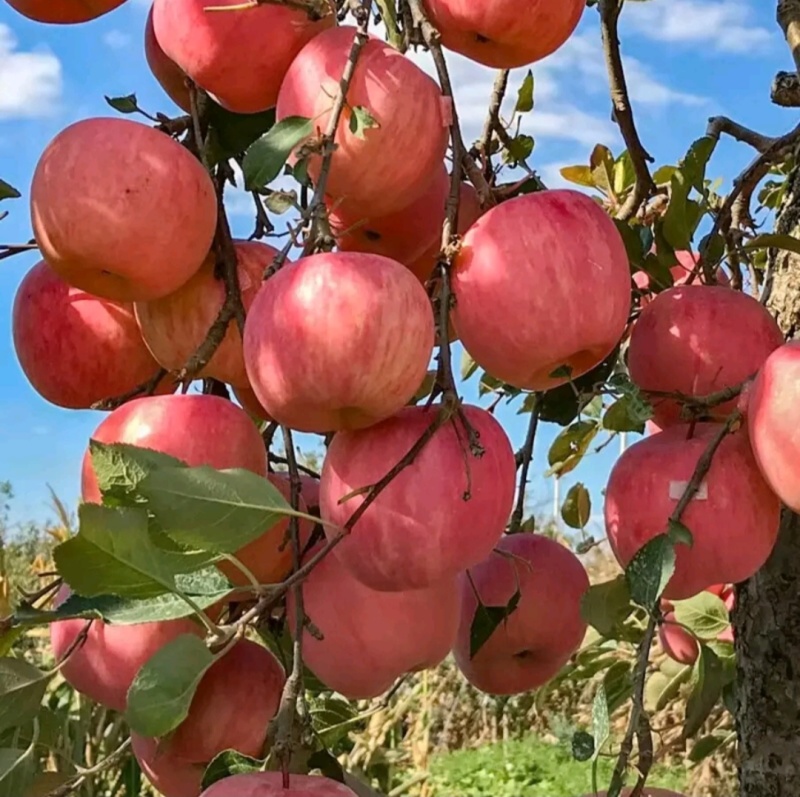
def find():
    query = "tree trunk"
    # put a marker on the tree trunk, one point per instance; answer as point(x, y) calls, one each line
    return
point(767, 615)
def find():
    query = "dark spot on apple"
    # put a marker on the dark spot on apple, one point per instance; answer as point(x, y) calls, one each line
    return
point(371, 235)
point(481, 39)
point(524, 654)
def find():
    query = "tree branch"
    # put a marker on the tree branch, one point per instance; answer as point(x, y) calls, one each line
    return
point(623, 112)
point(722, 124)
point(789, 19)
point(785, 90)
point(146, 388)
point(527, 457)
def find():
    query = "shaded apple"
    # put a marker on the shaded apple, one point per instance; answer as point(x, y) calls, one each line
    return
point(75, 348)
point(239, 56)
point(169, 75)
point(338, 341)
point(680, 274)
point(773, 422)
point(441, 514)
point(121, 210)
point(104, 666)
point(174, 326)
point(197, 429)
point(249, 402)
point(171, 777)
point(523, 279)
point(383, 168)
point(505, 34)
point(64, 12)
point(733, 519)
point(270, 784)
point(392, 633)
point(697, 340)
point(542, 633)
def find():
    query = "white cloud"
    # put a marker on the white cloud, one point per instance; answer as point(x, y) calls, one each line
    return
point(723, 25)
point(31, 81)
point(116, 39)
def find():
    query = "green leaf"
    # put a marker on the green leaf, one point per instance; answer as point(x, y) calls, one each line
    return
point(679, 533)
point(577, 507)
point(607, 605)
point(677, 228)
point(486, 620)
point(361, 120)
point(388, 14)
point(706, 687)
point(519, 149)
point(525, 95)
point(714, 248)
point(205, 588)
point(279, 202)
point(7, 191)
point(265, 158)
point(580, 175)
point(120, 467)
point(227, 764)
point(17, 771)
point(705, 615)
point(230, 133)
point(624, 173)
point(468, 365)
point(22, 687)
point(634, 245)
point(773, 241)
point(707, 745)
point(215, 510)
point(618, 682)
point(694, 164)
point(663, 175)
point(583, 748)
point(332, 718)
point(601, 727)
point(125, 104)
point(628, 414)
point(601, 163)
point(650, 570)
point(115, 553)
point(570, 446)
point(161, 693)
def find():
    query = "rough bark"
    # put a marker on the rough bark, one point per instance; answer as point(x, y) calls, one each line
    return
point(767, 615)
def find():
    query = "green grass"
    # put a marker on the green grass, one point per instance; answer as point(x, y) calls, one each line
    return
point(527, 768)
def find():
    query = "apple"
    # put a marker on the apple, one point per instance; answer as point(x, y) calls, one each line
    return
point(772, 422)
point(403, 235)
point(270, 784)
point(169, 776)
point(680, 273)
point(338, 341)
point(523, 279)
point(104, 666)
point(239, 56)
point(197, 429)
point(64, 12)
point(469, 211)
point(504, 34)
point(75, 348)
point(249, 402)
point(697, 340)
point(372, 638)
point(232, 707)
point(733, 519)
point(121, 210)
point(169, 75)
point(443, 513)
point(538, 638)
point(678, 643)
point(383, 168)
point(174, 326)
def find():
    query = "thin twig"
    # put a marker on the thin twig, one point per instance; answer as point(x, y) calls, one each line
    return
point(76, 782)
point(526, 458)
point(717, 125)
point(492, 123)
point(623, 112)
point(9, 250)
point(146, 388)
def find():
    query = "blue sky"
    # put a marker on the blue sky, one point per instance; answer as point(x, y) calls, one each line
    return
point(686, 60)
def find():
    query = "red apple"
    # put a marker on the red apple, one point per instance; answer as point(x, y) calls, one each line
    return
point(338, 341)
point(169, 776)
point(441, 514)
point(169, 75)
point(678, 643)
point(239, 56)
point(697, 340)
point(74, 348)
point(505, 34)
point(469, 211)
point(104, 666)
point(539, 636)
point(403, 235)
point(773, 421)
point(249, 401)
point(198, 429)
point(518, 279)
point(392, 633)
point(121, 210)
point(232, 707)
point(270, 784)
point(733, 519)
point(64, 12)
point(680, 273)
point(174, 326)
point(386, 167)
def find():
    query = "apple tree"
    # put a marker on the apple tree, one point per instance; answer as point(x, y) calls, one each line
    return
point(230, 605)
